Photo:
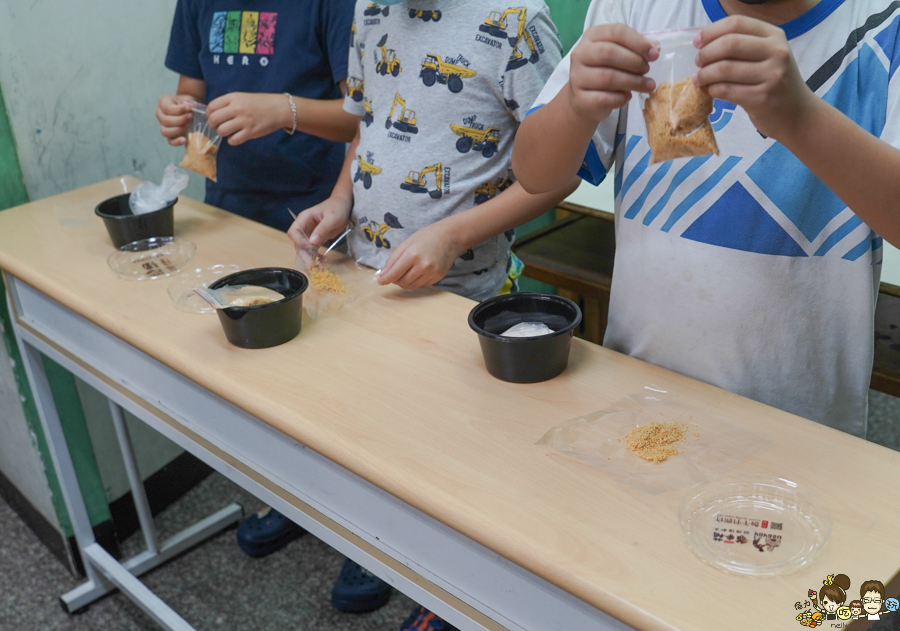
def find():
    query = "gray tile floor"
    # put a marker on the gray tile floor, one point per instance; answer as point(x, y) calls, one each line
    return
point(215, 586)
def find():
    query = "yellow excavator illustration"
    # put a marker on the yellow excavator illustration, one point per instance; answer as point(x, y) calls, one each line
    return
point(496, 26)
point(407, 120)
point(416, 183)
point(426, 14)
point(369, 117)
point(355, 88)
point(388, 62)
point(365, 169)
point(375, 232)
point(375, 9)
point(450, 72)
point(490, 190)
point(353, 33)
point(484, 140)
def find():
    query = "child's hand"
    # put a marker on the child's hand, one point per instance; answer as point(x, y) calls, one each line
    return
point(607, 66)
point(421, 260)
point(749, 62)
point(242, 116)
point(321, 222)
point(174, 116)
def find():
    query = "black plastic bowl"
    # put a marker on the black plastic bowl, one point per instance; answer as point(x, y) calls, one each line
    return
point(525, 359)
point(266, 325)
point(125, 227)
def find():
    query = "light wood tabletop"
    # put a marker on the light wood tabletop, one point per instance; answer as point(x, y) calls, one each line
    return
point(394, 388)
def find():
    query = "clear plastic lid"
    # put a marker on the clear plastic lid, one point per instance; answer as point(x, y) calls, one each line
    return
point(181, 289)
point(760, 526)
point(150, 259)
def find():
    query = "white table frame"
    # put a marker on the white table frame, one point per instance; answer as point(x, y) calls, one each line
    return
point(467, 584)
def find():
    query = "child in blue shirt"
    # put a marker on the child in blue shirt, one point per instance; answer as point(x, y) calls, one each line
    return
point(255, 64)
point(756, 270)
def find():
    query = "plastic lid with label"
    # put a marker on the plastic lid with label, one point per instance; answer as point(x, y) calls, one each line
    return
point(761, 526)
point(151, 259)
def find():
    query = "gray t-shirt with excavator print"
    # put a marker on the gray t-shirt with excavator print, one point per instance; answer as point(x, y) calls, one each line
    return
point(441, 87)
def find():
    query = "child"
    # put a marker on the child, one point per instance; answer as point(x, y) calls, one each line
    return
point(263, 68)
point(765, 259)
point(440, 88)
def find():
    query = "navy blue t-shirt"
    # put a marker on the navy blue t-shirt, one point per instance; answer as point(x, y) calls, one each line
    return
point(274, 46)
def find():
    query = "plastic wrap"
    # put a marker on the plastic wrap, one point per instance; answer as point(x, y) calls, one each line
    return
point(714, 445)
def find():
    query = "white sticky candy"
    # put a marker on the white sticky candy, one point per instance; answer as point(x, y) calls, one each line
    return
point(528, 329)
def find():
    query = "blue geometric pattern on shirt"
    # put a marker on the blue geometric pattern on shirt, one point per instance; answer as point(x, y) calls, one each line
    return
point(721, 115)
point(861, 93)
point(655, 179)
point(838, 235)
point(737, 221)
point(864, 246)
point(889, 41)
point(683, 173)
point(700, 192)
point(636, 171)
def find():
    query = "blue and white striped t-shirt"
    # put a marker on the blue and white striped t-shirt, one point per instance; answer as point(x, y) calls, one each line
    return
point(744, 270)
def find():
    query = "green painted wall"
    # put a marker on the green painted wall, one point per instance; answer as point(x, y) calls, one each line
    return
point(568, 15)
point(62, 383)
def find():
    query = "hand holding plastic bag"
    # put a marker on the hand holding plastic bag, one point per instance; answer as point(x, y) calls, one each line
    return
point(148, 197)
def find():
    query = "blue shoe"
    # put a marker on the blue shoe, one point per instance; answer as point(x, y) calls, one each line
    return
point(357, 590)
point(265, 532)
point(423, 620)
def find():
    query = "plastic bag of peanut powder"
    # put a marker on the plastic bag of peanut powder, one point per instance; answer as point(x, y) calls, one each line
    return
point(677, 111)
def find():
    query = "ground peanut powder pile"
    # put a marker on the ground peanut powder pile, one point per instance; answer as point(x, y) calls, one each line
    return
point(656, 441)
point(323, 280)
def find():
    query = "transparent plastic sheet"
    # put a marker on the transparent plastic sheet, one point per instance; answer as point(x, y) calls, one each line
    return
point(148, 197)
point(181, 290)
point(318, 301)
point(238, 296)
point(714, 444)
point(677, 111)
point(202, 144)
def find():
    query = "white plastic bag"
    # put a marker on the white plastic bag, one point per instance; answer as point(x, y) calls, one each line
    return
point(148, 197)
point(677, 111)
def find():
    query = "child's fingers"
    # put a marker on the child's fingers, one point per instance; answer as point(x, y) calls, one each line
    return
point(734, 72)
point(177, 141)
point(329, 227)
point(610, 55)
point(738, 46)
point(394, 268)
point(624, 36)
point(735, 24)
point(174, 122)
point(611, 80)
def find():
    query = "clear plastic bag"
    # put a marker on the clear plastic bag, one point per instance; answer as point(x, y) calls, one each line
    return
point(677, 111)
point(713, 445)
point(334, 281)
point(202, 144)
point(238, 296)
point(148, 197)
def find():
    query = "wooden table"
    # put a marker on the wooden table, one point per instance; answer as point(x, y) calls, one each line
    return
point(380, 432)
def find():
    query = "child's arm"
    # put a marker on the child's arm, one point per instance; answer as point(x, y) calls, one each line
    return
point(749, 62)
point(243, 116)
point(606, 66)
point(424, 258)
point(330, 217)
point(173, 112)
